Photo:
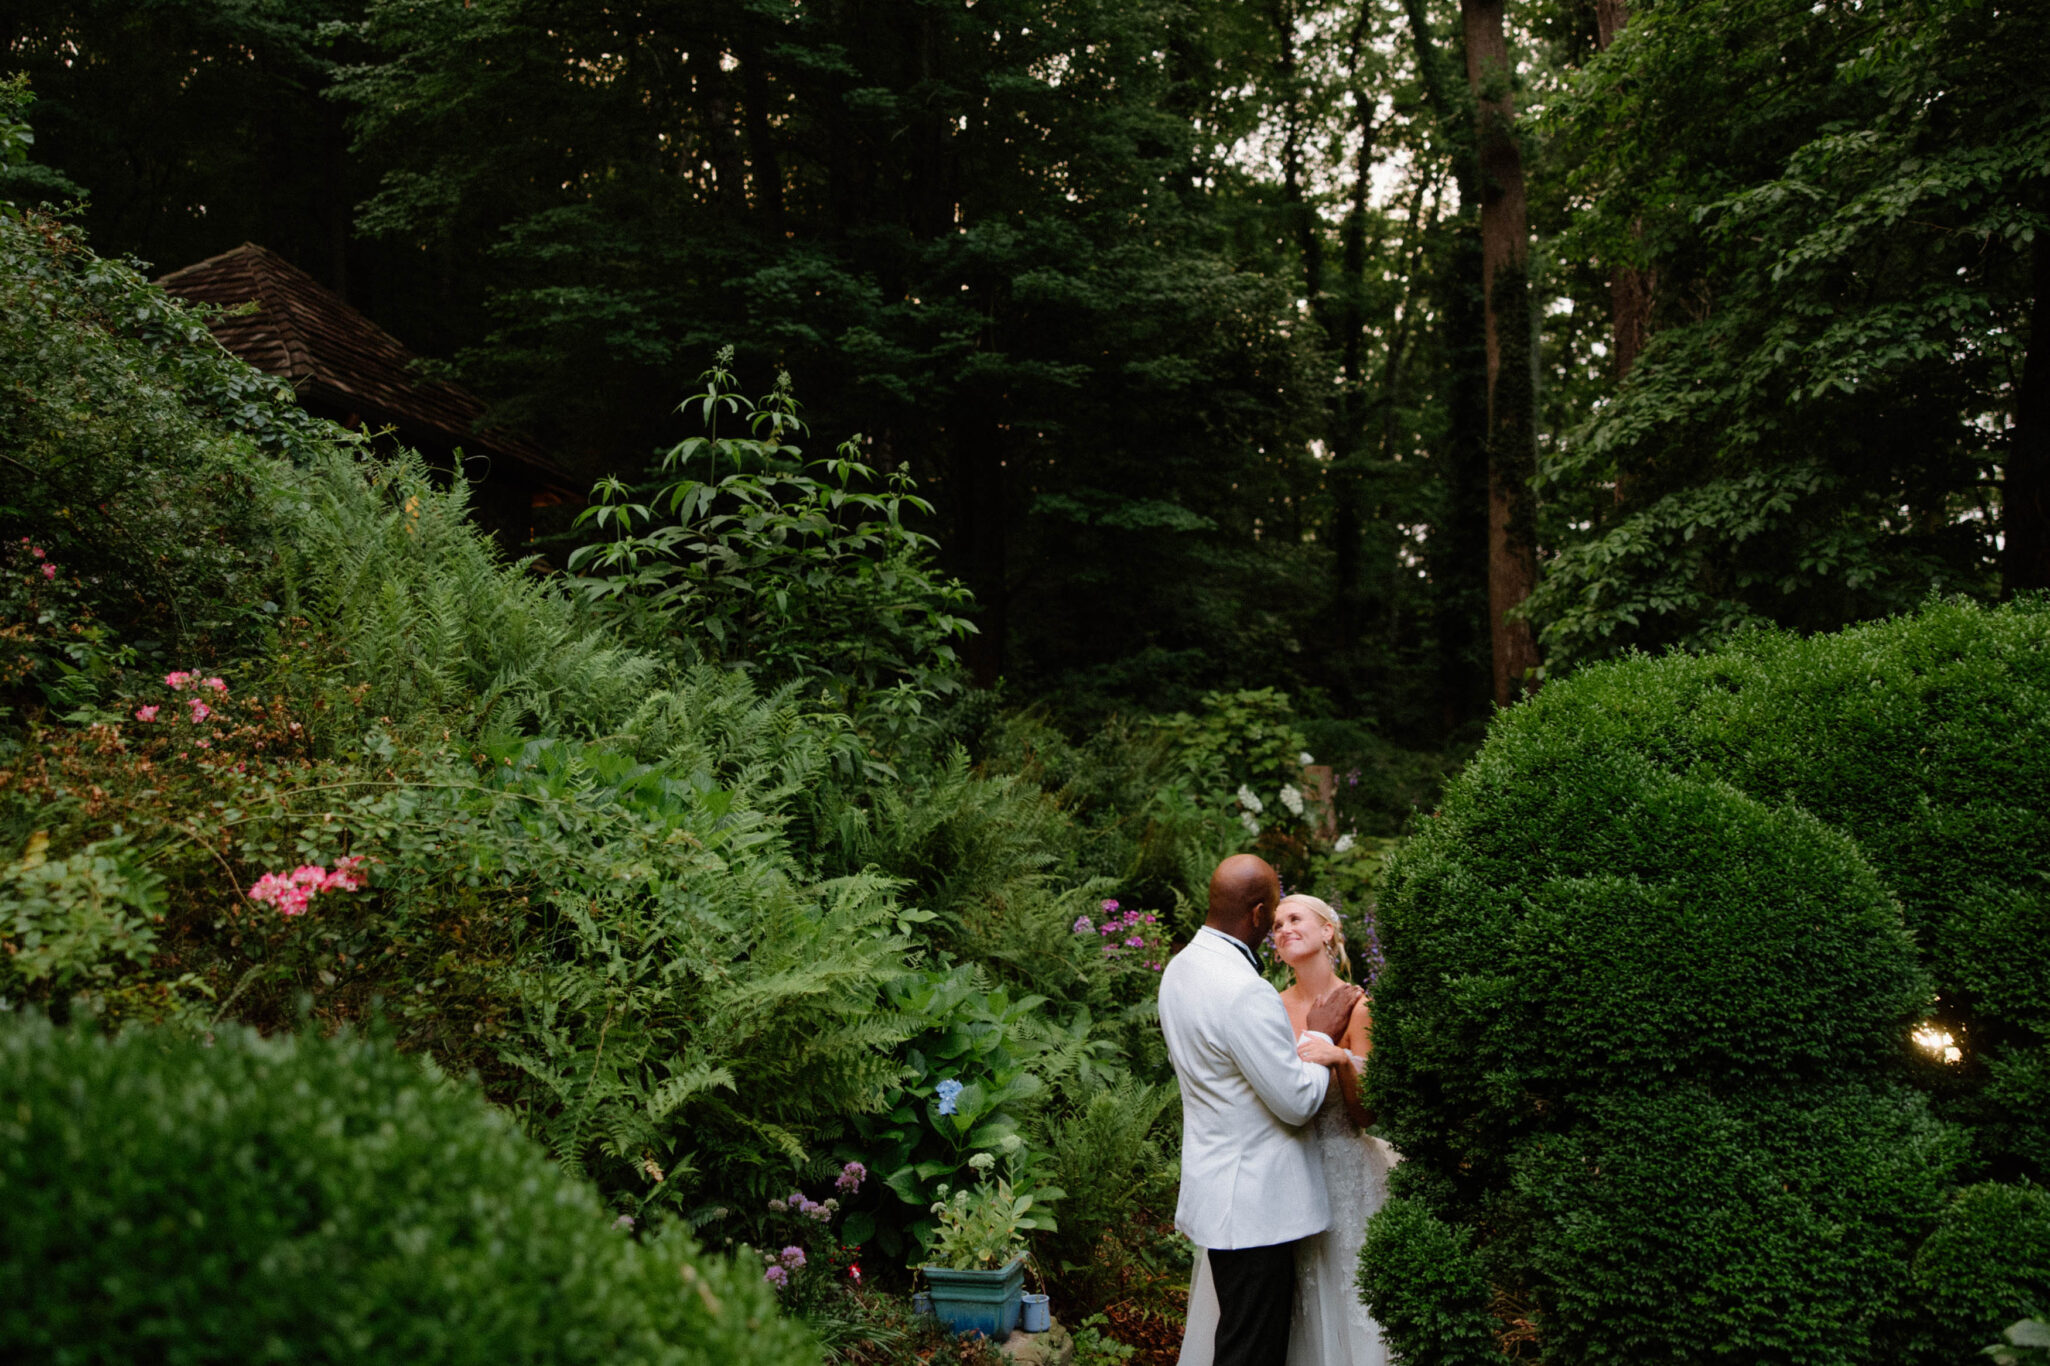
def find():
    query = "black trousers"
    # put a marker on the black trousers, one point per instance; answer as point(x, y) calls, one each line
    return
point(1255, 1297)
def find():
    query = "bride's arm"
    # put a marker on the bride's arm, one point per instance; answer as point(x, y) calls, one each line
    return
point(1359, 1041)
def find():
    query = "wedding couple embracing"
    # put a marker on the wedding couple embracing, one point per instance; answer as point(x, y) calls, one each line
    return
point(1278, 1173)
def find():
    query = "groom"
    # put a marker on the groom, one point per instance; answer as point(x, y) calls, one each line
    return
point(1252, 1183)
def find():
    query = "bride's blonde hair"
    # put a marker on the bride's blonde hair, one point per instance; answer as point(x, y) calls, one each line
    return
point(1335, 950)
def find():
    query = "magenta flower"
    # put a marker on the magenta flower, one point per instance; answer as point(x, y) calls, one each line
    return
point(1083, 925)
point(146, 713)
point(777, 1277)
point(851, 1177)
point(290, 892)
point(1110, 908)
point(200, 710)
point(1135, 942)
point(216, 684)
point(793, 1257)
point(176, 679)
point(35, 550)
point(49, 571)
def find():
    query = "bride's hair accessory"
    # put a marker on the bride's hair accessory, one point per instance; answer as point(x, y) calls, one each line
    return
point(1335, 950)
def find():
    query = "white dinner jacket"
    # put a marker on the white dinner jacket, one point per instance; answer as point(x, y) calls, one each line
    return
point(1251, 1175)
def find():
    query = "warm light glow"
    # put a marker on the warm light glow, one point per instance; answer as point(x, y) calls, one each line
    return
point(1939, 1042)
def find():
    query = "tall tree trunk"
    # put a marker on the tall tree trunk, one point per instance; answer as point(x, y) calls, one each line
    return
point(1457, 550)
point(1505, 288)
point(766, 167)
point(1630, 287)
point(2025, 487)
point(722, 137)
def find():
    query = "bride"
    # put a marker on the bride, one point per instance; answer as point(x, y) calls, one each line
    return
point(1329, 1327)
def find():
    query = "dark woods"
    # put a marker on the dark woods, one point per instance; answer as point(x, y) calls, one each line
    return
point(1399, 354)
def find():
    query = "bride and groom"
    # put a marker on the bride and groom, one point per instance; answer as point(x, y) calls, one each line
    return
point(1278, 1175)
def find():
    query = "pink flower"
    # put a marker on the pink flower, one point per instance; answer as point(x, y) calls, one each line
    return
point(146, 713)
point(290, 892)
point(36, 551)
point(176, 679)
point(216, 684)
point(793, 1257)
point(49, 571)
point(1135, 942)
point(1083, 925)
point(200, 710)
point(1110, 907)
point(777, 1277)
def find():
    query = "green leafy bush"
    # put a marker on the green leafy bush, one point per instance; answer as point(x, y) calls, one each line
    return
point(800, 570)
point(164, 1198)
point(1987, 1262)
point(1644, 1036)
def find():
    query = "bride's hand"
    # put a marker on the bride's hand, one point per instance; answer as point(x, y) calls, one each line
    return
point(1321, 1054)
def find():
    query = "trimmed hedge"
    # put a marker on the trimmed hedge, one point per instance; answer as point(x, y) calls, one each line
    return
point(1643, 1037)
point(257, 1200)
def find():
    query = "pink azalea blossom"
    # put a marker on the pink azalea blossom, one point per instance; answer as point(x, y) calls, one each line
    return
point(200, 710)
point(290, 892)
point(146, 713)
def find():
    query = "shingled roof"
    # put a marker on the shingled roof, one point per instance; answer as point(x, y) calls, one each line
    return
point(335, 358)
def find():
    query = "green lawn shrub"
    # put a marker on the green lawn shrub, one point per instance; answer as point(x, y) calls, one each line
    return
point(1654, 966)
point(1987, 1263)
point(168, 1198)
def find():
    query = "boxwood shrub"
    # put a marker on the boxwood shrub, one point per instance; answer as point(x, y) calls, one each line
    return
point(248, 1200)
point(1653, 968)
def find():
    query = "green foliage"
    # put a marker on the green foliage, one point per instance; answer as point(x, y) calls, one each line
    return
point(975, 1060)
point(2025, 1343)
point(149, 515)
point(802, 576)
point(983, 1227)
point(72, 921)
point(1650, 992)
point(428, 624)
point(1421, 1280)
point(1840, 205)
point(1987, 1262)
point(250, 1200)
point(1095, 1347)
point(1108, 1157)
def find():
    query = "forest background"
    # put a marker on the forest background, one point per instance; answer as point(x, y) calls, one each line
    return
point(1255, 382)
point(1233, 345)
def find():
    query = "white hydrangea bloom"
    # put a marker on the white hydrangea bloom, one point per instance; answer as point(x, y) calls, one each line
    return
point(1304, 759)
point(1252, 825)
point(1293, 800)
point(1344, 843)
point(1249, 801)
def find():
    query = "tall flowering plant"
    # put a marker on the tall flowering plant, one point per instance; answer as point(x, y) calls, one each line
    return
point(1126, 939)
point(807, 1259)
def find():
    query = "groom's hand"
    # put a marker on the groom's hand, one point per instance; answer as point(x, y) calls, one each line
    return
point(1332, 1011)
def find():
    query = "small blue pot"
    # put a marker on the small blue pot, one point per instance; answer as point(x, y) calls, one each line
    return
point(984, 1302)
point(1034, 1314)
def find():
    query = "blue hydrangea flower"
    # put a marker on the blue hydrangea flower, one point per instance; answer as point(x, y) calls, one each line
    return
point(950, 1091)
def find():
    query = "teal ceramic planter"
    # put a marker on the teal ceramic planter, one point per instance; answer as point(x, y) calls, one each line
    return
point(984, 1302)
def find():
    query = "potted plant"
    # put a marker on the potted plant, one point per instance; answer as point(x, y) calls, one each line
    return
point(976, 1260)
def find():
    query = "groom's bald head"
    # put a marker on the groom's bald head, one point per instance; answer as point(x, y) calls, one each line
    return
point(1243, 893)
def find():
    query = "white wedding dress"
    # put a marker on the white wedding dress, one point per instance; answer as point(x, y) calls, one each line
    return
point(1330, 1327)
